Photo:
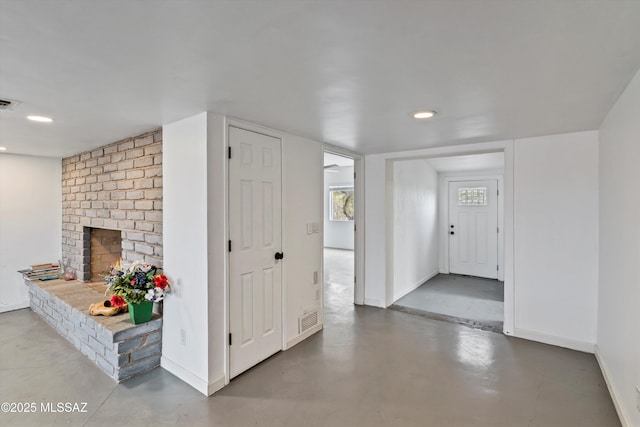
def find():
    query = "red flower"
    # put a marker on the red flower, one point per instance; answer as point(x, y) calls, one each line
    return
point(161, 281)
point(117, 301)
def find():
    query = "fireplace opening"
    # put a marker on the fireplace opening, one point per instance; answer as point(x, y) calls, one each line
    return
point(105, 251)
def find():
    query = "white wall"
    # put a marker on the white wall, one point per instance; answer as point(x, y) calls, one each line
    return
point(185, 335)
point(375, 241)
point(415, 228)
point(302, 178)
point(618, 346)
point(195, 240)
point(30, 221)
point(556, 238)
point(337, 234)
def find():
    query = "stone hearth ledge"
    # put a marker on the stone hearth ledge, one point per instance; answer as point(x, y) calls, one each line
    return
point(118, 347)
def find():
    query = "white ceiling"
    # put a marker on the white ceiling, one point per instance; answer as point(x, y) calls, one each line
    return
point(347, 72)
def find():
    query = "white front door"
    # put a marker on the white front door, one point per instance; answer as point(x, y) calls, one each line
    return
point(473, 228)
point(255, 276)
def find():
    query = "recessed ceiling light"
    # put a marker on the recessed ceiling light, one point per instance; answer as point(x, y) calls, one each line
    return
point(42, 119)
point(3, 148)
point(423, 114)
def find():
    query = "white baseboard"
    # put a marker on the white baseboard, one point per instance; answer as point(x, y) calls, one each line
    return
point(374, 302)
point(586, 347)
point(12, 307)
point(215, 385)
point(202, 385)
point(615, 397)
point(296, 340)
point(416, 285)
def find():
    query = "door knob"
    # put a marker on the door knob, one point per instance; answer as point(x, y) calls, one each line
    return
point(279, 255)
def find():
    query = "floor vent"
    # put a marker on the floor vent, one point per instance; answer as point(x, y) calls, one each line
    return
point(307, 321)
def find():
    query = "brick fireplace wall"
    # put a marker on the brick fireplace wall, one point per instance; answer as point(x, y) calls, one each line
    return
point(116, 187)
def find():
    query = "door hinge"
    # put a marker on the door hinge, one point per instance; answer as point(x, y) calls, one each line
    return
point(498, 230)
point(354, 175)
point(497, 268)
point(229, 152)
point(355, 227)
point(229, 245)
point(230, 338)
point(355, 279)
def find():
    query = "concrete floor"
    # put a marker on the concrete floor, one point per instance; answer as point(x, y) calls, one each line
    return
point(338, 281)
point(368, 367)
point(467, 300)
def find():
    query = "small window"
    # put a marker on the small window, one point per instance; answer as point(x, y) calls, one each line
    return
point(341, 203)
point(472, 196)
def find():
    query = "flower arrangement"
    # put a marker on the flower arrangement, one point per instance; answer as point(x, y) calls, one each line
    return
point(138, 283)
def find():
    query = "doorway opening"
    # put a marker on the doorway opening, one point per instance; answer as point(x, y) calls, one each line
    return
point(339, 235)
point(459, 205)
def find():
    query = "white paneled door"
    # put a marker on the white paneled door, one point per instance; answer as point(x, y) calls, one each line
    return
point(255, 275)
point(473, 228)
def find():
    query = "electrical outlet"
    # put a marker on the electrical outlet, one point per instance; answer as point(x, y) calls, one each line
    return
point(183, 337)
point(316, 227)
point(315, 277)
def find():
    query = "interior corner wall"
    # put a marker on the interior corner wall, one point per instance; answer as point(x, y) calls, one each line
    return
point(415, 226)
point(337, 234)
point(618, 347)
point(556, 238)
point(30, 221)
point(302, 183)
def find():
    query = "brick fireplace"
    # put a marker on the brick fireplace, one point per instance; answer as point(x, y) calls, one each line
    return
point(111, 209)
point(117, 187)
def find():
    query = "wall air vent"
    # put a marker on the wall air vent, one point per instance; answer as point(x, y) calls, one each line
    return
point(7, 104)
point(307, 321)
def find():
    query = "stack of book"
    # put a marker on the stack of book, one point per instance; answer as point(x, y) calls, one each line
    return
point(41, 272)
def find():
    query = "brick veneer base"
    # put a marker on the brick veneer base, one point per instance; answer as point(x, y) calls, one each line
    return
point(119, 348)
